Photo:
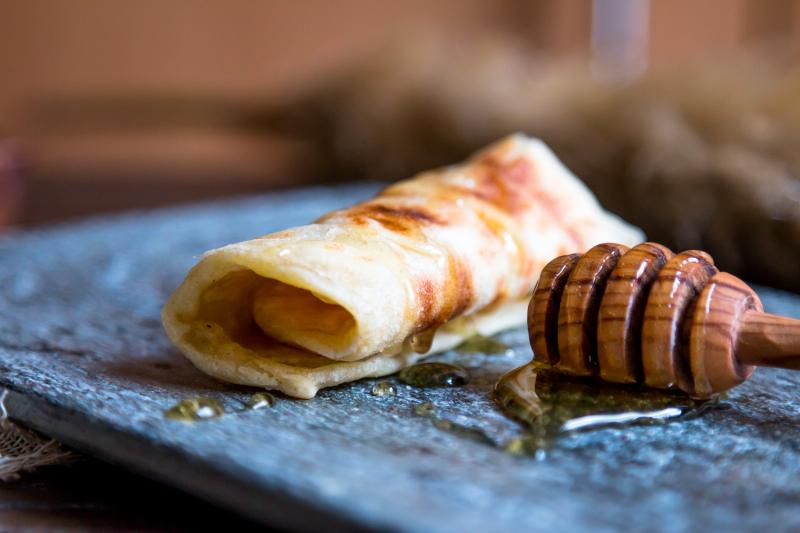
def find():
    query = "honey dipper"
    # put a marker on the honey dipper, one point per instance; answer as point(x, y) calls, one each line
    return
point(646, 315)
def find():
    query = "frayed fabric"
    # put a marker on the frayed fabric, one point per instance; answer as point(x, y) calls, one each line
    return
point(22, 450)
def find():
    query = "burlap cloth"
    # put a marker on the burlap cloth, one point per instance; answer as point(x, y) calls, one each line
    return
point(22, 450)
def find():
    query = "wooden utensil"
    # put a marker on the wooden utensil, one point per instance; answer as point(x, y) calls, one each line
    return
point(645, 315)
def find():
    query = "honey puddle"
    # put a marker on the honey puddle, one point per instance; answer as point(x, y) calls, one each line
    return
point(551, 405)
point(485, 345)
point(434, 375)
point(548, 404)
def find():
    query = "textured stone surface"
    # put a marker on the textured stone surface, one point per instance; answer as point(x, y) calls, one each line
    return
point(82, 350)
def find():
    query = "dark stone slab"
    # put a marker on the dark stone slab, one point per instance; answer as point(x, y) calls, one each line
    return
point(83, 354)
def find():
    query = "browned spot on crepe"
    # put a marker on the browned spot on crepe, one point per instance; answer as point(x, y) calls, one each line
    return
point(506, 185)
point(401, 219)
point(454, 296)
point(426, 300)
point(512, 187)
point(458, 290)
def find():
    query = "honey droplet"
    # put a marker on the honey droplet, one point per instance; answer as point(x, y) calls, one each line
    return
point(434, 375)
point(422, 341)
point(261, 400)
point(425, 409)
point(383, 388)
point(528, 445)
point(485, 345)
point(192, 409)
point(461, 430)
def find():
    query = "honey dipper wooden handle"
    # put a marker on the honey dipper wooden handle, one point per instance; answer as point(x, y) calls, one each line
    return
point(645, 315)
point(769, 340)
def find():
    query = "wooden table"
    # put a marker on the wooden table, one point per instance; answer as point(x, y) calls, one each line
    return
point(91, 495)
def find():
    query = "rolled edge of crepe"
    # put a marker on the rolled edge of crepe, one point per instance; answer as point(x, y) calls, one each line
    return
point(448, 254)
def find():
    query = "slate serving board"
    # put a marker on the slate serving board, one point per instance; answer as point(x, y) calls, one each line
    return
point(84, 359)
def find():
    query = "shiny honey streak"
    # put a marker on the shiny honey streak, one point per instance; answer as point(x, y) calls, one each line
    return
point(551, 405)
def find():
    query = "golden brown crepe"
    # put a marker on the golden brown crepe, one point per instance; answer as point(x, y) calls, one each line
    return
point(360, 292)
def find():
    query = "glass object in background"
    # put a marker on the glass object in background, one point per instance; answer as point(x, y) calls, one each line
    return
point(620, 38)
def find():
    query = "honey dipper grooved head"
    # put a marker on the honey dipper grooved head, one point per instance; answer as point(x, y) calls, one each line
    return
point(642, 315)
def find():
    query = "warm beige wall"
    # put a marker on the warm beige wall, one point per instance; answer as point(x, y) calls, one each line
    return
point(271, 46)
point(682, 30)
point(227, 47)
point(237, 49)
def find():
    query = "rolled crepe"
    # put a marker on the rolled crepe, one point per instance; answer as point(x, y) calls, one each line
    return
point(368, 290)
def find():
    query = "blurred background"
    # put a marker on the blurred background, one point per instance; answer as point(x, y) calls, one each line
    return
point(682, 115)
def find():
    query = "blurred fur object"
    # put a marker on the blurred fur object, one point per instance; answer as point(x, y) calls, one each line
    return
point(704, 158)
